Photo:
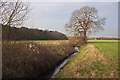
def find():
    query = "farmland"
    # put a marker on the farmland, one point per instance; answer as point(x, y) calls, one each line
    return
point(54, 40)
point(97, 59)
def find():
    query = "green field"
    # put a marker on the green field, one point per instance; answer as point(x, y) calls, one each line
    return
point(97, 59)
point(23, 41)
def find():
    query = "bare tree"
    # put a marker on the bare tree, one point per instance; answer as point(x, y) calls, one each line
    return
point(85, 20)
point(13, 14)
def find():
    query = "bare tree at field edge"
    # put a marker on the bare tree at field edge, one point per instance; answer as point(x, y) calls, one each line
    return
point(84, 21)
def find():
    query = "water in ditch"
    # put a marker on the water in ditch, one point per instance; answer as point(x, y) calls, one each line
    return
point(57, 69)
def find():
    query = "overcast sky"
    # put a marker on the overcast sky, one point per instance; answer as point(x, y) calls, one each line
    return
point(54, 15)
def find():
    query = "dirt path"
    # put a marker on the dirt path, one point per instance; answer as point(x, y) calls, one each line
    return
point(93, 52)
point(89, 59)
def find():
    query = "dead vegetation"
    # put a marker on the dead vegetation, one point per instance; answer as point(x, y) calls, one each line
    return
point(33, 59)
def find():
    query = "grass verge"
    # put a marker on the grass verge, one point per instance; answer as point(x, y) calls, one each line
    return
point(97, 59)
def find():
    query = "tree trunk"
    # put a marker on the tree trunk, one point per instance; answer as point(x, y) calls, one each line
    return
point(85, 37)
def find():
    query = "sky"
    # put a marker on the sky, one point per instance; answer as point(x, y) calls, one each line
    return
point(54, 15)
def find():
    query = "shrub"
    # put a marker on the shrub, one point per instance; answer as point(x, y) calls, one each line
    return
point(33, 59)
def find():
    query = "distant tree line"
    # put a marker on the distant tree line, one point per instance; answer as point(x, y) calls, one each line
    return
point(24, 33)
point(103, 38)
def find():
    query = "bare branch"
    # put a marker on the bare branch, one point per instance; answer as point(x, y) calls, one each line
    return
point(13, 13)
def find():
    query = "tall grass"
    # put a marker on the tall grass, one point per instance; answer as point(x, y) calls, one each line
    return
point(33, 59)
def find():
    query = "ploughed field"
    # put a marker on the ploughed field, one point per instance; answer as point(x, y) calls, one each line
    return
point(33, 59)
point(97, 59)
